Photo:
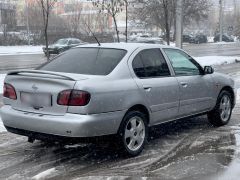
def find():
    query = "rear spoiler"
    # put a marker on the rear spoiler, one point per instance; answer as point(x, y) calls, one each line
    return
point(39, 73)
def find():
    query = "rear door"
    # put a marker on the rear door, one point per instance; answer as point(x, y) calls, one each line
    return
point(196, 89)
point(154, 80)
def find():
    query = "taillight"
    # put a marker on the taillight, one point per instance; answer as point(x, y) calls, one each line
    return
point(9, 91)
point(73, 98)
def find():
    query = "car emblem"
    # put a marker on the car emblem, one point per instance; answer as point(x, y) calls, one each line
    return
point(34, 87)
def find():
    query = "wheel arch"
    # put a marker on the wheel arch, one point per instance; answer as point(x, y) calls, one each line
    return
point(137, 107)
point(141, 108)
point(231, 91)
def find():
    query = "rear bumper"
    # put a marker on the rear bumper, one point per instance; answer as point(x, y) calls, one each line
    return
point(69, 125)
point(61, 139)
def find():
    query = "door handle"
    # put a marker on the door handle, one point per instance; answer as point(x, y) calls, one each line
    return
point(147, 88)
point(184, 84)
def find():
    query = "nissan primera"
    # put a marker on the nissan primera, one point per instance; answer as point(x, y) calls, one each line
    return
point(114, 89)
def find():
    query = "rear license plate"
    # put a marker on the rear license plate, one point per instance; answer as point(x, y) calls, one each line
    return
point(36, 99)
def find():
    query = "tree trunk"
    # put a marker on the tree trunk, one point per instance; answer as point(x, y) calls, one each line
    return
point(46, 35)
point(126, 31)
point(116, 28)
point(167, 28)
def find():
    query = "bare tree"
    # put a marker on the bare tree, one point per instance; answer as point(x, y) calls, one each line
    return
point(74, 18)
point(158, 13)
point(113, 7)
point(46, 7)
point(162, 13)
point(126, 9)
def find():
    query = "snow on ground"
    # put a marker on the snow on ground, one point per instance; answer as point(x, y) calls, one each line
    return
point(2, 76)
point(210, 39)
point(2, 128)
point(221, 43)
point(15, 50)
point(44, 174)
point(216, 60)
point(232, 171)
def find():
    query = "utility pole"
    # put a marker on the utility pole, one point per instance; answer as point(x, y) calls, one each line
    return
point(179, 23)
point(126, 31)
point(28, 30)
point(221, 20)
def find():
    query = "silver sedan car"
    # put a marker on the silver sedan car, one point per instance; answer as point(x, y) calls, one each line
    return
point(114, 89)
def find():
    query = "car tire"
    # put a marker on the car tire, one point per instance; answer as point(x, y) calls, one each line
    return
point(133, 133)
point(60, 51)
point(222, 112)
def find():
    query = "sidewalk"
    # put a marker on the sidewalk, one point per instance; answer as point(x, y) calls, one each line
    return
point(17, 50)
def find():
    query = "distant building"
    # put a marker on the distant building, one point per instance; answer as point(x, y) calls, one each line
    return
point(7, 16)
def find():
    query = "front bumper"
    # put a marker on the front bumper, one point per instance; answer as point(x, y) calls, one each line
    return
point(68, 125)
point(51, 51)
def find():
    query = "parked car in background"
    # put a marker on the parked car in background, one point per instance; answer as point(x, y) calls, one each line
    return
point(114, 89)
point(225, 38)
point(62, 45)
point(198, 39)
point(187, 38)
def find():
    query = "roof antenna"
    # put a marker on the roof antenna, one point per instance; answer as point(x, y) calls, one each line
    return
point(93, 34)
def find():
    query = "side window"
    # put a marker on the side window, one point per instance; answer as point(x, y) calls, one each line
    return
point(70, 42)
point(182, 63)
point(76, 42)
point(138, 67)
point(150, 63)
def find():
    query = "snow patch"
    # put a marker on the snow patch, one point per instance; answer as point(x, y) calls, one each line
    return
point(44, 174)
point(222, 43)
point(2, 76)
point(238, 95)
point(216, 60)
point(16, 50)
point(210, 39)
point(233, 172)
point(110, 178)
point(2, 128)
point(74, 146)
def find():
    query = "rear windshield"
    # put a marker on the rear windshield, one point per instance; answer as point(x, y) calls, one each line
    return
point(92, 61)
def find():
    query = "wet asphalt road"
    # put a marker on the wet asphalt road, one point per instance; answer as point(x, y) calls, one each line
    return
point(187, 149)
point(10, 62)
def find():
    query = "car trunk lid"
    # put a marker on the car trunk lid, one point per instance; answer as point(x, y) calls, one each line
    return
point(37, 91)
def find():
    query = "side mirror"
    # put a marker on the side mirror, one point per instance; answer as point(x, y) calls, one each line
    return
point(208, 70)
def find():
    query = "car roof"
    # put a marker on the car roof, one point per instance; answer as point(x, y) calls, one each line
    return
point(127, 46)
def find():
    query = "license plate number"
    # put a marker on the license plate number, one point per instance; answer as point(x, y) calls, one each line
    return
point(36, 99)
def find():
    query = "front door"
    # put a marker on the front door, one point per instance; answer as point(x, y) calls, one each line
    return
point(195, 88)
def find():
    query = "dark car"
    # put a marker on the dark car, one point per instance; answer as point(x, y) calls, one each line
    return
point(187, 38)
point(198, 39)
point(62, 45)
point(225, 38)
